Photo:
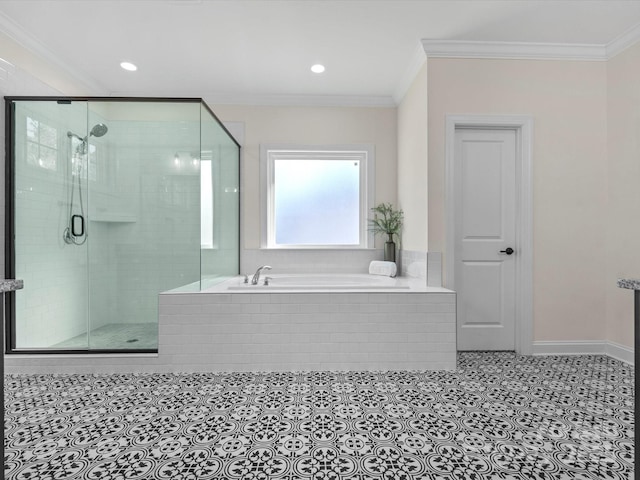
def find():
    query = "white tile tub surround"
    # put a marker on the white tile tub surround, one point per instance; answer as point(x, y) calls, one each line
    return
point(434, 269)
point(413, 264)
point(255, 331)
point(423, 265)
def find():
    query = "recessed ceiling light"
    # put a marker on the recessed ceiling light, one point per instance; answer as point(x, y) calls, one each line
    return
point(317, 68)
point(129, 66)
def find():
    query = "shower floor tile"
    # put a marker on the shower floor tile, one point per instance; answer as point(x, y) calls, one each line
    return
point(499, 416)
point(116, 336)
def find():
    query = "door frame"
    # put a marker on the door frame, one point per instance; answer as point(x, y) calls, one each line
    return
point(523, 126)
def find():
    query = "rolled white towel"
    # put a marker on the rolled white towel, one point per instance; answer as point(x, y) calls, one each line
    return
point(388, 269)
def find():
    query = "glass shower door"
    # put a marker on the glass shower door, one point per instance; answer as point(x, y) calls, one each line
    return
point(50, 187)
point(220, 210)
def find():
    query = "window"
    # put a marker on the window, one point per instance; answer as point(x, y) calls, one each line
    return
point(317, 196)
point(206, 201)
point(42, 145)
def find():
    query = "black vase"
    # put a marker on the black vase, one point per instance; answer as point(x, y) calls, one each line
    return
point(390, 250)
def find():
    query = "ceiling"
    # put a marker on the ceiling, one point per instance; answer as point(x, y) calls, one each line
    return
point(249, 51)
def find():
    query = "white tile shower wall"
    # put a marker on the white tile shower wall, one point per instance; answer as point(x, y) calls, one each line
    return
point(307, 261)
point(102, 276)
point(281, 332)
point(158, 248)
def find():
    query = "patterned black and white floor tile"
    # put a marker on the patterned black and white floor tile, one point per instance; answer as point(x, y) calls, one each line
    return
point(499, 416)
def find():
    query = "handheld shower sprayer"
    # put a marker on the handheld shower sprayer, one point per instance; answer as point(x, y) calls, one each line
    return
point(75, 232)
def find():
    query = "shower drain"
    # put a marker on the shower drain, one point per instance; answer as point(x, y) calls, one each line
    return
point(132, 340)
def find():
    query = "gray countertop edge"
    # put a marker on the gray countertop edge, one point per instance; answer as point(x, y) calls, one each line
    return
point(9, 285)
point(630, 283)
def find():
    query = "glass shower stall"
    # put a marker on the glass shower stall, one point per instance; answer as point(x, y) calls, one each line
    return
point(110, 201)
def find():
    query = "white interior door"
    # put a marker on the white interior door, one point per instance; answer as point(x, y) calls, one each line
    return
point(485, 233)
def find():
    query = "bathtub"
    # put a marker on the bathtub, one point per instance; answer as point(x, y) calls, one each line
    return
point(313, 282)
point(310, 322)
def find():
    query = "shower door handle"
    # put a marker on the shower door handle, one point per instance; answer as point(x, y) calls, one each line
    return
point(77, 225)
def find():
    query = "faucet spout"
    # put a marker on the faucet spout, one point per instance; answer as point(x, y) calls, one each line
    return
point(256, 276)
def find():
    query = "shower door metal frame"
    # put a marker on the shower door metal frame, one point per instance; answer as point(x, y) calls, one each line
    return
point(9, 226)
point(9, 236)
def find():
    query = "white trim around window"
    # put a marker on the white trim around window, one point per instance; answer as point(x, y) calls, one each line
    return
point(363, 153)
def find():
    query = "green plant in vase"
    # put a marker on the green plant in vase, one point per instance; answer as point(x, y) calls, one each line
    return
point(387, 221)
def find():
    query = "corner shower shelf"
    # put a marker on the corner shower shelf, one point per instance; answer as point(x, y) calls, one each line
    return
point(113, 217)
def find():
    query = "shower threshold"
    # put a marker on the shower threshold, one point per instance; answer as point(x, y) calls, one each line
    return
point(115, 336)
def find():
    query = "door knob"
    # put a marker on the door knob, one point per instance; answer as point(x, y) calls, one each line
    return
point(508, 251)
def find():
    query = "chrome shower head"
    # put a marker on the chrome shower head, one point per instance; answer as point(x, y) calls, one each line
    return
point(98, 130)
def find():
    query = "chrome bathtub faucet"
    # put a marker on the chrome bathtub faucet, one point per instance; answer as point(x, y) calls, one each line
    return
point(256, 276)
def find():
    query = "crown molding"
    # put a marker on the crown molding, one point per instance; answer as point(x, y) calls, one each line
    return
point(627, 39)
point(17, 33)
point(304, 100)
point(415, 64)
point(513, 50)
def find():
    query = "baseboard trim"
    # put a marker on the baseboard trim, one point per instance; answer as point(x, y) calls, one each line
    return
point(585, 347)
point(620, 352)
point(570, 347)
